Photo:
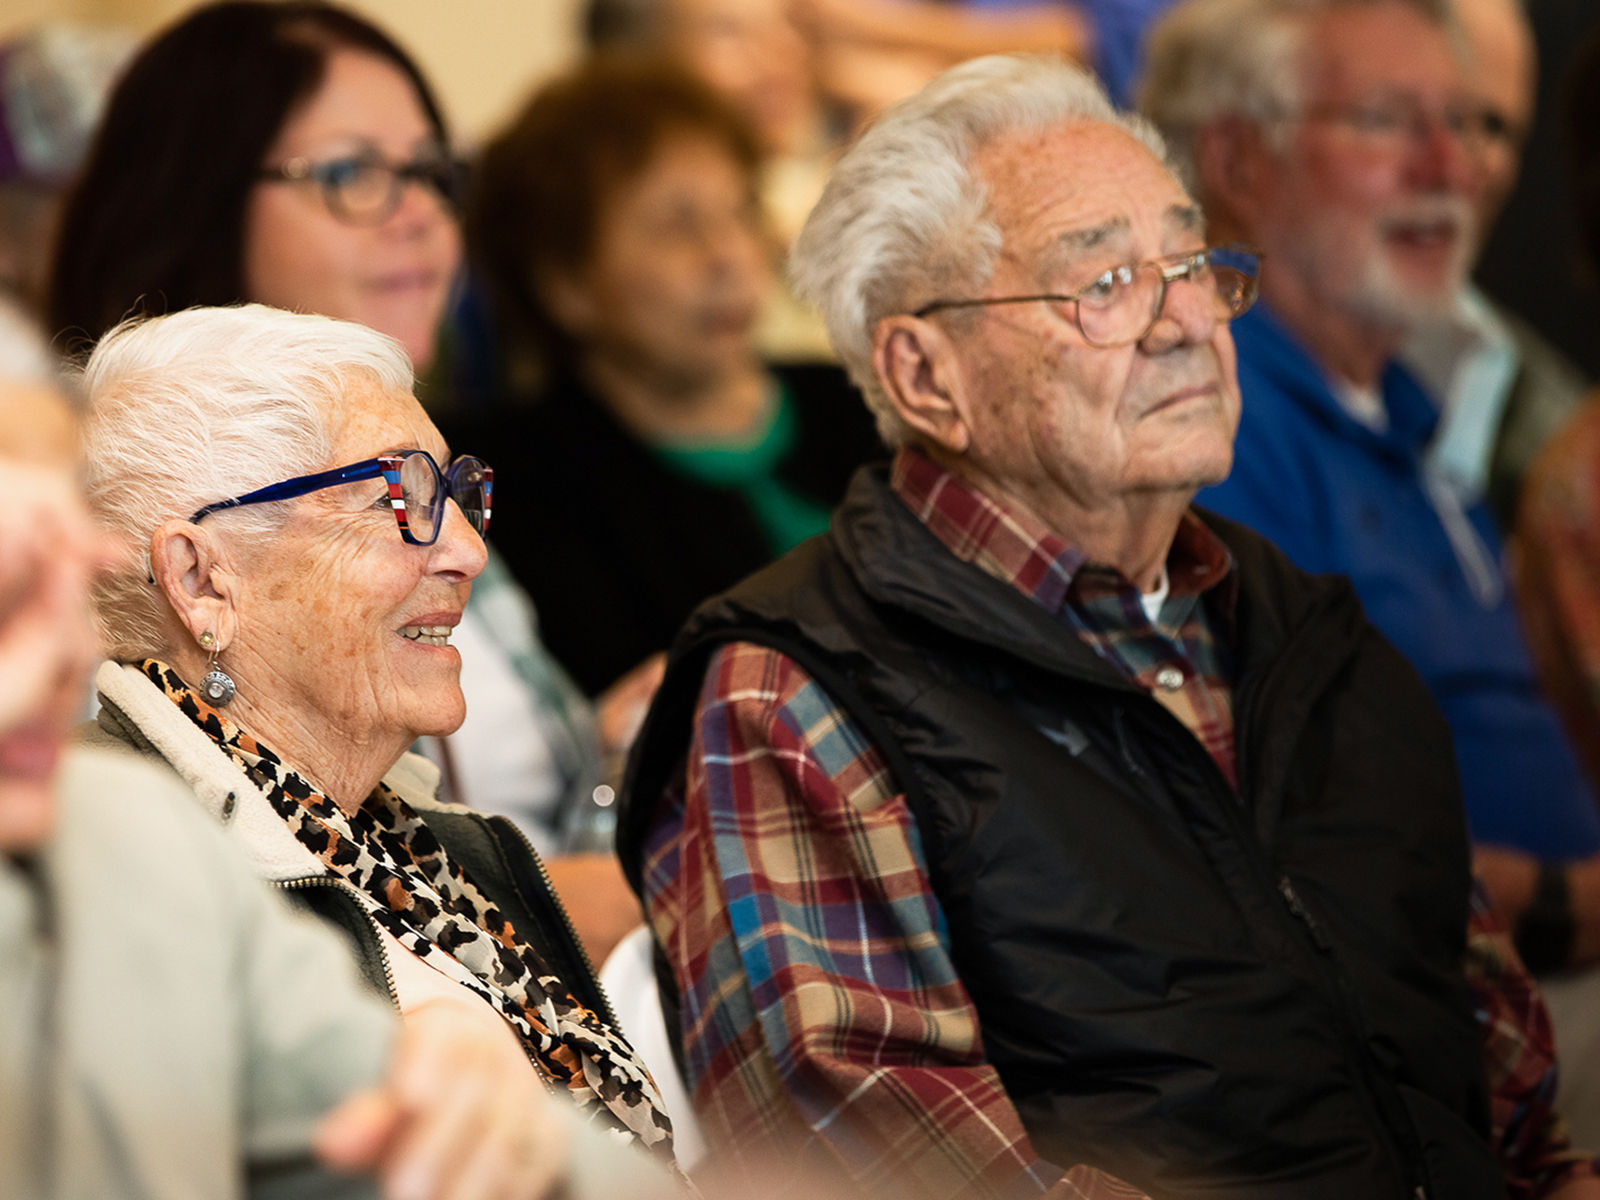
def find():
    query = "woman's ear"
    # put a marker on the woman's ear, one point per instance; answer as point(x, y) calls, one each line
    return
point(187, 567)
point(918, 369)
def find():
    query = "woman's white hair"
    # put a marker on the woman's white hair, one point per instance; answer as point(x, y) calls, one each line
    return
point(1209, 59)
point(904, 216)
point(205, 404)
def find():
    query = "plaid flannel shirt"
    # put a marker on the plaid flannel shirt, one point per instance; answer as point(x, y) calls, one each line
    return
point(785, 877)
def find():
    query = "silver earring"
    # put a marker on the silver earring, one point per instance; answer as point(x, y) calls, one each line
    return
point(217, 687)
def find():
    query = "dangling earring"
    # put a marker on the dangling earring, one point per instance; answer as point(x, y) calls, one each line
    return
point(217, 686)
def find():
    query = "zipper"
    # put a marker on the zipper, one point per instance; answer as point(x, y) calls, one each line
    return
point(1345, 1003)
point(572, 934)
point(307, 882)
point(1394, 1129)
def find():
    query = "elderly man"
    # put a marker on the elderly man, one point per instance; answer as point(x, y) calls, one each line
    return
point(1342, 137)
point(1030, 820)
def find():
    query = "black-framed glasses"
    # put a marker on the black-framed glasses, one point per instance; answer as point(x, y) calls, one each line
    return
point(418, 490)
point(1122, 304)
point(365, 188)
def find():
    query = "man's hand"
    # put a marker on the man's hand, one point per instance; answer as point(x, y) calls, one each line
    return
point(460, 1117)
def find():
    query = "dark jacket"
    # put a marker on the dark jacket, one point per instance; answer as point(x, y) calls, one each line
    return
point(614, 546)
point(1207, 993)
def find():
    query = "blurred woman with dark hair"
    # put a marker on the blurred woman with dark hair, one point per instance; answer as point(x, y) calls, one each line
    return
point(276, 130)
point(614, 224)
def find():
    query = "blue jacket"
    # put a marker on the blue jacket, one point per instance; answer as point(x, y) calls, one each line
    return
point(1337, 496)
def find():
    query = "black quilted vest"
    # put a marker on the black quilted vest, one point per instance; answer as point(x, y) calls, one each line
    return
point(1207, 993)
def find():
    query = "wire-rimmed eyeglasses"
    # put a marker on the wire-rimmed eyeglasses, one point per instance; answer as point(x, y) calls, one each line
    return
point(1122, 304)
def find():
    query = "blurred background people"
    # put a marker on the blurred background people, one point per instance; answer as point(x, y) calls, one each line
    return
point(1533, 262)
point(53, 82)
point(755, 56)
point(167, 1026)
point(310, 167)
point(615, 226)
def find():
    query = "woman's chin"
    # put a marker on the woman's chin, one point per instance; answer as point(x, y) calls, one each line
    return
point(443, 720)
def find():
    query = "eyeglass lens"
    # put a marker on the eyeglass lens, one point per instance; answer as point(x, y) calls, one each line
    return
point(1126, 310)
point(426, 489)
point(368, 189)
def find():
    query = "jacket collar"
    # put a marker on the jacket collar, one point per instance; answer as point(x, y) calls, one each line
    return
point(135, 710)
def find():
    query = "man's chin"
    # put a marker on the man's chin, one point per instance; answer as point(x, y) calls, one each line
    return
point(1405, 303)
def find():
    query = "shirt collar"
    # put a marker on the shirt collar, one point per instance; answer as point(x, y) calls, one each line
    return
point(1009, 542)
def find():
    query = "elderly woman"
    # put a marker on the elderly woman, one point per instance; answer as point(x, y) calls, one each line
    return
point(305, 548)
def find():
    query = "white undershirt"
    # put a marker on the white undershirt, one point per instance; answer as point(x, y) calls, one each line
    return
point(1152, 601)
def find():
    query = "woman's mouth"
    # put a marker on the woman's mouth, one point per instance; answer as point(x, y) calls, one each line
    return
point(433, 635)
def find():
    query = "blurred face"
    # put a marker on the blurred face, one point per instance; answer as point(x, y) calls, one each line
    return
point(394, 276)
point(1370, 204)
point(678, 273)
point(1052, 418)
point(1503, 75)
point(46, 639)
point(751, 52)
point(328, 612)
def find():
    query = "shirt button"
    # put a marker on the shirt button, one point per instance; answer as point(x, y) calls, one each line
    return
point(228, 806)
point(1169, 679)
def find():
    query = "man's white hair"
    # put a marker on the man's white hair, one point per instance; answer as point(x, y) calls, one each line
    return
point(205, 404)
point(1210, 59)
point(904, 217)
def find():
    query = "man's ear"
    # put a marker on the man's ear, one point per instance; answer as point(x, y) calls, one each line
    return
point(1231, 158)
point(917, 367)
point(185, 560)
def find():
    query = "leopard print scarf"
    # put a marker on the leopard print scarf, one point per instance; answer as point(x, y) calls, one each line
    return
point(412, 889)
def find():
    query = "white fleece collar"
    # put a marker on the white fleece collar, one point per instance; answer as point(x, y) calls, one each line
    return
point(216, 779)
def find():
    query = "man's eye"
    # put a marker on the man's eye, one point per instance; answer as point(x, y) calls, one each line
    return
point(1107, 288)
point(1378, 120)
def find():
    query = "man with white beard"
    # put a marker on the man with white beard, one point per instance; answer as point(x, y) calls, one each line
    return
point(1342, 137)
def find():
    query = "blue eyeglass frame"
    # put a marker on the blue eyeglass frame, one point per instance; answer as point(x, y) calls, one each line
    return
point(388, 466)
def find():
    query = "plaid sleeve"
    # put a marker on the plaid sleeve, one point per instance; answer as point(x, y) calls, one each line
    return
point(820, 1009)
point(1526, 1133)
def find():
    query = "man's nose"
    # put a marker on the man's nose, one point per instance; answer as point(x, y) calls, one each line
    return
point(1188, 314)
point(1446, 156)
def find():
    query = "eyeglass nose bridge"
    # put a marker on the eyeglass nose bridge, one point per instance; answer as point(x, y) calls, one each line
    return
point(1174, 272)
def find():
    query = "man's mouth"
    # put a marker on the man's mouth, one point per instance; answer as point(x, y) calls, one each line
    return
point(1425, 235)
point(1194, 392)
